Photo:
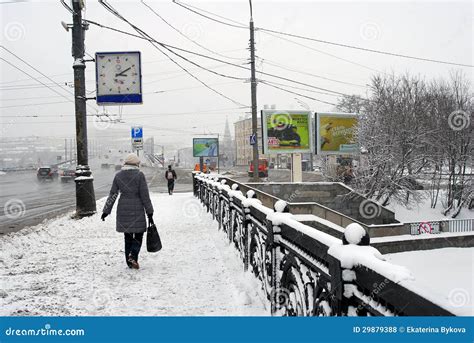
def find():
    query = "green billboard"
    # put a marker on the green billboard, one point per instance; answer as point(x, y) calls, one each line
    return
point(286, 131)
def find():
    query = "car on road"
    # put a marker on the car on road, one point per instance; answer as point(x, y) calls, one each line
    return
point(46, 173)
point(262, 168)
point(67, 174)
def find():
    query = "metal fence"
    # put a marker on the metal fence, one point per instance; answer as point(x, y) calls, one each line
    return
point(297, 274)
point(460, 225)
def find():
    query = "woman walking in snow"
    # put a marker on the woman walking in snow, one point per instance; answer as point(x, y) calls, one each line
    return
point(134, 202)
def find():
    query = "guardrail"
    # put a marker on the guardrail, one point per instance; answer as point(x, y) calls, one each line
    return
point(302, 270)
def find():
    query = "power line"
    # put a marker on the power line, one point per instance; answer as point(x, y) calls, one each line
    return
point(320, 40)
point(296, 93)
point(140, 114)
point(31, 76)
point(39, 72)
point(152, 42)
point(366, 49)
point(150, 39)
point(293, 42)
point(301, 89)
point(239, 26)
point(37, 104)
point(305, 73)
point(311, 74)
point(185, 36)
point(327, 54)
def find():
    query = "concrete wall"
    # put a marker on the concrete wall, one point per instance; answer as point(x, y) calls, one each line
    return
point(332, 195)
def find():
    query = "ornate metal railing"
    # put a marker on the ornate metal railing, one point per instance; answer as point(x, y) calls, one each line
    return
point(298, 274)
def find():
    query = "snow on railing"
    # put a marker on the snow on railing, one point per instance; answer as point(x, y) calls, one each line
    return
point(304, 271)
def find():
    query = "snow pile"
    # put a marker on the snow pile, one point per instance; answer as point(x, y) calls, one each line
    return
point(248, 202)
point(355, 255)
point(443, 276)
point(354, 233)
point(280, 206)
point(77, 267)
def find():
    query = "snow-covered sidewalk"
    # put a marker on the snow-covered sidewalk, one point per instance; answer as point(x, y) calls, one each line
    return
point(70, 267)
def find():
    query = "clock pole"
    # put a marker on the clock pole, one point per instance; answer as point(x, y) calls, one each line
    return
point(85, 197)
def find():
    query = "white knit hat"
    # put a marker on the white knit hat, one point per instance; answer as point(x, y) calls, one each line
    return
point(132, 159)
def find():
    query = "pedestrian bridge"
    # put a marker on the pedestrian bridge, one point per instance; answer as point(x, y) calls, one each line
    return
point(224, 253)
point(303, 270)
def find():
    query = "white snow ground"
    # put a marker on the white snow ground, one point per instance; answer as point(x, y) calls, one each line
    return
point(443, 275)
point(422, 211)
point(70, 267)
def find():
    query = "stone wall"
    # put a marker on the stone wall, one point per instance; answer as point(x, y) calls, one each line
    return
point(332, 195)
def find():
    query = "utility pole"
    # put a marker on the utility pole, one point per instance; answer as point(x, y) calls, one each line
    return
point(85, 197)
point(253, 83)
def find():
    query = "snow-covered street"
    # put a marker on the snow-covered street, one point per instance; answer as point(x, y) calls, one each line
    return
point(77, 267)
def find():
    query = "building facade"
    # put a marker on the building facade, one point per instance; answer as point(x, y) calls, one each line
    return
point(243, 149)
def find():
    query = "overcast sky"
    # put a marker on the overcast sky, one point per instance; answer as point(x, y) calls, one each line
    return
point(33, 31)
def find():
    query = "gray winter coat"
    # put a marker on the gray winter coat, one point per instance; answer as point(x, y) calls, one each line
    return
point(134, 200)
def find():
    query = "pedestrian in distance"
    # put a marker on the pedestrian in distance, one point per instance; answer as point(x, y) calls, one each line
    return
point(170, 176)
point(132, 206)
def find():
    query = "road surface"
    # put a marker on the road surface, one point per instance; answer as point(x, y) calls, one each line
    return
point(25, 202)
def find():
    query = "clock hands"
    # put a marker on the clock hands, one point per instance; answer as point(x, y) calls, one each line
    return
point(122, 72)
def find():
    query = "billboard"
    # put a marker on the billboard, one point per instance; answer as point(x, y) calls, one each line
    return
point(335, 133)
point(205, 147)
point(286, 131)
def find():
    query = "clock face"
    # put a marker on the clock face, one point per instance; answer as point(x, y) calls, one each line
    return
point(118, 73)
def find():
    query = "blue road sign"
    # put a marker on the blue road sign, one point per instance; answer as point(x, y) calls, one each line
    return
point(253, 139)
point(137, 132)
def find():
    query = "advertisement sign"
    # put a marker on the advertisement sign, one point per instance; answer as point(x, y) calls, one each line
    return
point(335, 133)
point(286, 131)
point(205, 147)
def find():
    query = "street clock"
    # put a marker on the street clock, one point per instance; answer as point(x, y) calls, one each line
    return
point(118, 78)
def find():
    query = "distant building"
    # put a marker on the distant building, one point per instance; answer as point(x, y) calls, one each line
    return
point(226, 149)
point(243, 149)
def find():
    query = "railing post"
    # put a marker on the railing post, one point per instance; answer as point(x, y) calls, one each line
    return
point(245, 239)
point(272, 232)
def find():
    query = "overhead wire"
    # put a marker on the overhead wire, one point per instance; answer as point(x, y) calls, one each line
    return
point(210, 57)
point(296, 93)
point(184, 35)
point(196, 10)
point(153, 42)
point(41, 73)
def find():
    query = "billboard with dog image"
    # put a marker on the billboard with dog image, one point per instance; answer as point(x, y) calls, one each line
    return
point(286, 132)
point(335, 133)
